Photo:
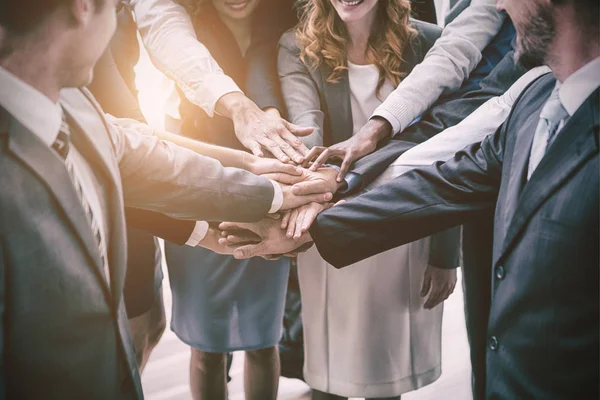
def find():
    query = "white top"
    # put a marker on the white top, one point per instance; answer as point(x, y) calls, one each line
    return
point(364, 100)
point(447, 64)
point(169, 36)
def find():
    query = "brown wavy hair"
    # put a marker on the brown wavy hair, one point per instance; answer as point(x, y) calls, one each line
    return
point(322, 37)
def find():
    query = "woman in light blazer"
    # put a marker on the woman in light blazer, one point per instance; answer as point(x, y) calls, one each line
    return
point(368, 328)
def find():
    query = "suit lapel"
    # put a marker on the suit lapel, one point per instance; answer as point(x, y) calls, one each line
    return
point(339, 110)
point(574, 145)
point(52, 171)
point(96, 148)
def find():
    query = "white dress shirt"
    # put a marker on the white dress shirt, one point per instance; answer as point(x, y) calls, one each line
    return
point(169, 36)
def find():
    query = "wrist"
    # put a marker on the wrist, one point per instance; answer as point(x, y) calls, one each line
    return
point(379, 129)
point(235, 105)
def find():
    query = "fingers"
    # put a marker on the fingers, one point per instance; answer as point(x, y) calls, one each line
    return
point(274, 216)
point(426, 284)
point(339, 203)
point(312, 154)
point(309, 218)
point(322, 159)
point(235, 226)
point(288, 149)
point(299, 201)
point(248, 251)
point(309, 187)
point(274, 149)
point(348, 160)
point(285, 220)
point(286, 179)
point(254, 147)
point(300, 222)
point(298, 130)
point(295, 143)
point(292, 223)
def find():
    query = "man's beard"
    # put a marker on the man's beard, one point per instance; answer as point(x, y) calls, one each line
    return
point(536, 38)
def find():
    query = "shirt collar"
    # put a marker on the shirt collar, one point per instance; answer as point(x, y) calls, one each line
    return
point(30, 107)
point(579, 86)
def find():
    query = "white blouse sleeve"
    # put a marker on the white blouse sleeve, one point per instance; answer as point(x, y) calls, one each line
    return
point(447, 64)
point(169, 36)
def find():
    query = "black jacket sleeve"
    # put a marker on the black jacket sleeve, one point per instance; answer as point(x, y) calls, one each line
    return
point(172, 230)
point(414, 205)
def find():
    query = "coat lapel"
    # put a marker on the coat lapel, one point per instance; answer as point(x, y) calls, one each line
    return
point(576, 143)
point(94, 142)
point(52, 171)
point(339, 110)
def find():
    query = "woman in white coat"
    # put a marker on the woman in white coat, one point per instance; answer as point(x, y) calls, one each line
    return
point(370, 329)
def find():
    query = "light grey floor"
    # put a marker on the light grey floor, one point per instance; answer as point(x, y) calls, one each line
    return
point(166, 376)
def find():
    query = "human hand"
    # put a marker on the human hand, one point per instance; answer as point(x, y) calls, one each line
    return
point(257, 129)
point(298, 221)
point(359, 145)
point(319, 181)
point(274, 241)
point(439, 283)
point(261, 166)
point(211, 242)
point(292, 200)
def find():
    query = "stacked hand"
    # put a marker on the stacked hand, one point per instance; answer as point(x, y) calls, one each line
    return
point(305, 195)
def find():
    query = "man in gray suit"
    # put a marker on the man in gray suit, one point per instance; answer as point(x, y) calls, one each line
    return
point(66, 173)
point(539, 173)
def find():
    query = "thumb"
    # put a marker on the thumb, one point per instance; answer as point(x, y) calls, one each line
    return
point(298, 130)
point(426, 285)
point(248, 251)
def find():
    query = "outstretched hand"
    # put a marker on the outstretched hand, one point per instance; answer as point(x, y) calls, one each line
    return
point(359, 145)
point(273, 238)
point(258, 130)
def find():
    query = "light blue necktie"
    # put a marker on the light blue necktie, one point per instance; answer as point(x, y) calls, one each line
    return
point(551, 117)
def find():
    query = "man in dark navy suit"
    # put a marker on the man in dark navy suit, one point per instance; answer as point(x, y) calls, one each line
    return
point(539, 173)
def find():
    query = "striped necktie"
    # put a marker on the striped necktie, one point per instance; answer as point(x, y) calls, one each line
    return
point(62, 147)
point(553, 115)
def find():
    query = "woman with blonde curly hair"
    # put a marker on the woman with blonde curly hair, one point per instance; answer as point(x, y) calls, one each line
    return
point(373, 329)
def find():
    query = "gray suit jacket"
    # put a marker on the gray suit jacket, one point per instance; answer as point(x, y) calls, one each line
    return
point(543, 327)
point(64, 329)
point(314, 102)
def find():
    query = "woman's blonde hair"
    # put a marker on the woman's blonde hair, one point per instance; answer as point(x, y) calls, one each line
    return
point(322, 38)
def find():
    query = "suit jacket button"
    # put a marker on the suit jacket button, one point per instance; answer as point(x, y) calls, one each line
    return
point(493, 343)
point(500, 273)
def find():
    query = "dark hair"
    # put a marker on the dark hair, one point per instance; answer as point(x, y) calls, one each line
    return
point(22, 16)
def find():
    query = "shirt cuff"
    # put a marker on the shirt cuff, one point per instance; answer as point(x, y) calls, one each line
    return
point(353, 183)
point(209, 95)
point(389, 117)
point(277, 198)
point(199, 233)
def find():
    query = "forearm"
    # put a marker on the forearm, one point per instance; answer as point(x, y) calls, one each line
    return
point(449, 62)
point(444, 248)
point(161, 176)
point(226, 156)
point(169, 36)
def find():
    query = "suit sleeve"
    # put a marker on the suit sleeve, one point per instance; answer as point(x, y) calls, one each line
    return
point(161, 176)
point(414, 205)
point(300, 92)
point(176, 231)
